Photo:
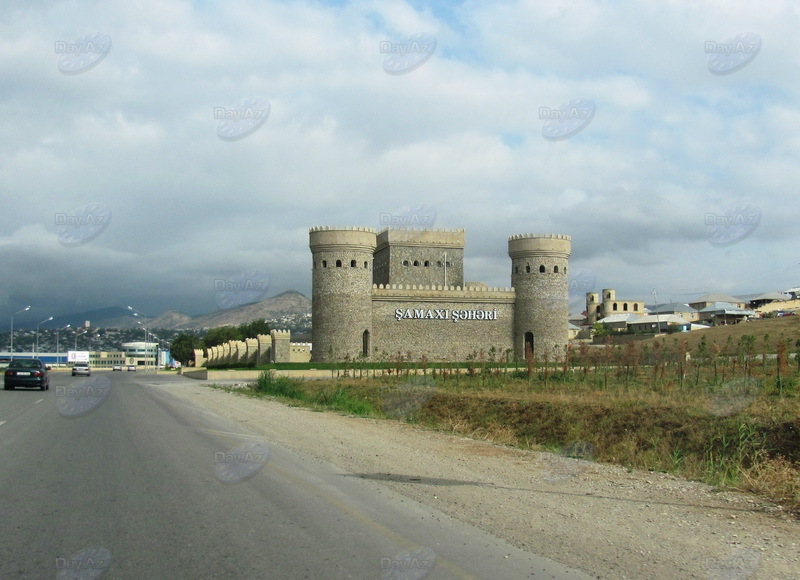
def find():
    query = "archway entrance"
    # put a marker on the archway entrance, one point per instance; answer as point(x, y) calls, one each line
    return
point(365, 344)
point(528, 346)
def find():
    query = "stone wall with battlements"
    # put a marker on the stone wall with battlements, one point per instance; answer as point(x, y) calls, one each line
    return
point(300, 352)
point(413, 256)
point(479, 291)
point(264, 349)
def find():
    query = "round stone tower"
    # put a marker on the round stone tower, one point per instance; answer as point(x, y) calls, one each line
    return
point(341, 287)
point(539, 265)
point(594, 307)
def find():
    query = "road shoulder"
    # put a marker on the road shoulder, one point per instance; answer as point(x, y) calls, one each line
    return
point(604, 519)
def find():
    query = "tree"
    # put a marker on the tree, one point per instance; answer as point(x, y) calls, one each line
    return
point(221, 335)
point(599, 329)
point(746, 345)
point(254, 328)
point(797, 354)
point(182, 348)
point(702, 358)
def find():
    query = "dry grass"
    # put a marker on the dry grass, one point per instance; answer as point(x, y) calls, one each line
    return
point(727, 420)
point(777, 328)
point(751, 442)
point(775, 477)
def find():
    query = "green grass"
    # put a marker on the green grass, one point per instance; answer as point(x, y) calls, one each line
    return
point(270, 384)
point(342, 400)
point(336, 398)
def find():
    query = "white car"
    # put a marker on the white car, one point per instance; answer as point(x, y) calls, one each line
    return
point(81, 368)
point(131, 367)
point(116, 368)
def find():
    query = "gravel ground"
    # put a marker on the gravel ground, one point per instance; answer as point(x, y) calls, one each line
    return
point(603, 519)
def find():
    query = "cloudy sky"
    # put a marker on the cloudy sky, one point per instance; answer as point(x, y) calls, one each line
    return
point(174, 154)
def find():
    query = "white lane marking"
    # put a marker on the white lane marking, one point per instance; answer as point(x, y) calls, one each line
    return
point(2, 422)
point(39, 401)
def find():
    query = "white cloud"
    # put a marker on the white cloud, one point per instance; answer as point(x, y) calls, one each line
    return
point(345, 141)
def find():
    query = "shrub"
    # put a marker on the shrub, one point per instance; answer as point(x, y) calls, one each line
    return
point(270, 384)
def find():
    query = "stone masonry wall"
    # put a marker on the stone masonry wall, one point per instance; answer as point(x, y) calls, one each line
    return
point(398, 328)
point(418, 257)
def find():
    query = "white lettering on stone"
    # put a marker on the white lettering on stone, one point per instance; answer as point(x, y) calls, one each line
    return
point(443, 314)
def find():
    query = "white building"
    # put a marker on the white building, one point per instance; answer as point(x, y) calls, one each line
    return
point(144, 353)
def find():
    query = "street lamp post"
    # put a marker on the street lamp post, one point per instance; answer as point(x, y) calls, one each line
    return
point(58, 349)
point(157, 342)
point(144, 327)
point(12, 328)
point(36, 349)
point(144, 331)
point(78, 332)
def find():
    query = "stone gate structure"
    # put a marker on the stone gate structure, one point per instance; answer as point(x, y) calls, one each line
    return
point(403, 291)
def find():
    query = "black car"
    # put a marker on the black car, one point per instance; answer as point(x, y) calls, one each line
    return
point(26, 372)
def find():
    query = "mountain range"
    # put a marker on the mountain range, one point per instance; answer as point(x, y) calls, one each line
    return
point(288, 303)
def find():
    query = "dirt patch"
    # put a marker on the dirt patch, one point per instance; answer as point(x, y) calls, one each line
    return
point(604, 519)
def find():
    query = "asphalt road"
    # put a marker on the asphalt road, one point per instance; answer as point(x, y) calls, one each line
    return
point(108, 477)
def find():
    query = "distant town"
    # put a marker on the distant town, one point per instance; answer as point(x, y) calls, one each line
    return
point(607, 314)
point(110, 339)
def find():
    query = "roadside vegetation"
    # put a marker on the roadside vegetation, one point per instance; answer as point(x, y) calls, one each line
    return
point(335, 397)
point(723, 408)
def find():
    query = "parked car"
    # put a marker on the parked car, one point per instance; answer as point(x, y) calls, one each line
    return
point(81, 368)
point(26, 372)
point(131, 367)
point(116, 368)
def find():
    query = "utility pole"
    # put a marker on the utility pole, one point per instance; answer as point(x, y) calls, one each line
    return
point(658, 314)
